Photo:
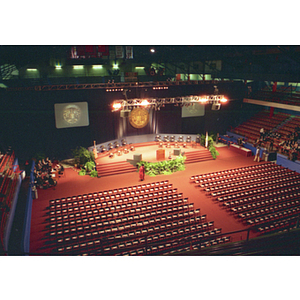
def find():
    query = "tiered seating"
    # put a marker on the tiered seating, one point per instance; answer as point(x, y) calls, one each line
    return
point(147, 219)
point(264, 196)
point(284, 97)
point(287, 128)
point(7, 189)
point(251, 128)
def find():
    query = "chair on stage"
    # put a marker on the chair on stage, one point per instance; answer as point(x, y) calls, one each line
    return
point(110, 146)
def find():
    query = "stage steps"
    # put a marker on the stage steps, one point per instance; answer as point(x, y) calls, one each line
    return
point(198, 156)
point(114, 168)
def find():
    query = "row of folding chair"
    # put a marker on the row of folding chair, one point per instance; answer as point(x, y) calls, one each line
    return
point(204, 182)
point(93, 209)
point(282, 214)
point(285, 224)
point(84, 218)
point(255, 204)
point(176, 247)
point(249, 182)
point(132, 240)
point(58, 210)
point(230, 200)
point(99, 202)
point(233, 171)
point(159, 238)
point(180, 209)
point(258, 212)
point(161, 242)
point(255, 177)
point(108, 227)
point(113, 212)
point(151, 186)
point(260, 187)
point(231, 204)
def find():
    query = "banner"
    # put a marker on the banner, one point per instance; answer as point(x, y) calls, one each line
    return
point(119, 52)
point(129, 52)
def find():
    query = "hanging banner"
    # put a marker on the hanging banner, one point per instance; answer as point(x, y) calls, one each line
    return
point(129, 52)
point(119, 52)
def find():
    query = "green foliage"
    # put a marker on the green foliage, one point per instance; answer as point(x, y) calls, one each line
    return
point(213, 151)
point(89, 166)
point(83, 155)
point(94, 173)
point(165, 167)
point(210, 145)
point(82, 172)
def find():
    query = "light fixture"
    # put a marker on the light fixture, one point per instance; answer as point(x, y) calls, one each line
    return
point(117, 106)
point(223, 100)
point(187, 101)
point(145, 102)
point(78, 67)
point(115, 66)
point(140, 68)
point(97, 66)
point(58, 67)
point(152, 50)
point(31, 69)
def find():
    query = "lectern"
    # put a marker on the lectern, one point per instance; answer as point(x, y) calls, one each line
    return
point(160, 154)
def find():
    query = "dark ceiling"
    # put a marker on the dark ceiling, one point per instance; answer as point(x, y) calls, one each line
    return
point(280, 63)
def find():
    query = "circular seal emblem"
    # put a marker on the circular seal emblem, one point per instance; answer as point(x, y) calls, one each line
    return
point(139, 117)
point(72, 114)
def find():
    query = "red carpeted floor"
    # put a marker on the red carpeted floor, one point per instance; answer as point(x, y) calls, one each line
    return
point(73, 184)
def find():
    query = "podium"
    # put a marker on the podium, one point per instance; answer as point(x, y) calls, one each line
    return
point(160, 154)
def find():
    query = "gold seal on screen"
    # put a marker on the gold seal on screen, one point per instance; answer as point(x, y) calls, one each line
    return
point(139, 117)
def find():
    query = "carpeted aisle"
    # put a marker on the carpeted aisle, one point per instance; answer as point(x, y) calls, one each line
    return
point(73, 184)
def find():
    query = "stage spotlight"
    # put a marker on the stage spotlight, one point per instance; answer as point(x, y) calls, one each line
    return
point(203, 100)
point(145, 103)
point(223, 100)
point(117, 106)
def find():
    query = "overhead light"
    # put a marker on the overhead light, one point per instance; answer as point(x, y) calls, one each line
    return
point(31, 69)
point(97, 66)
point(203, 100)
point(141, 68)
point(152, 50)
point(57, 67)
point(223, 100)
point(117, 106)
point(145, 102)
point(78, 67)
point(115, 66)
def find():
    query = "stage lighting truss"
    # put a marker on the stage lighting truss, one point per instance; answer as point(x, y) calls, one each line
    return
point(157, 103)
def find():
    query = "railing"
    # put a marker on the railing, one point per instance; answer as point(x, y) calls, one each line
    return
point(243, 235)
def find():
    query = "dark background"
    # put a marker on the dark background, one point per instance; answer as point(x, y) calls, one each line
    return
point(28, 120)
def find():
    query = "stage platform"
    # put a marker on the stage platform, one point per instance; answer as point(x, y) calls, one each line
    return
point(119, 161)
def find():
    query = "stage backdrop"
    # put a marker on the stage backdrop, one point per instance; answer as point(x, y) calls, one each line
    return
point(167, 119)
